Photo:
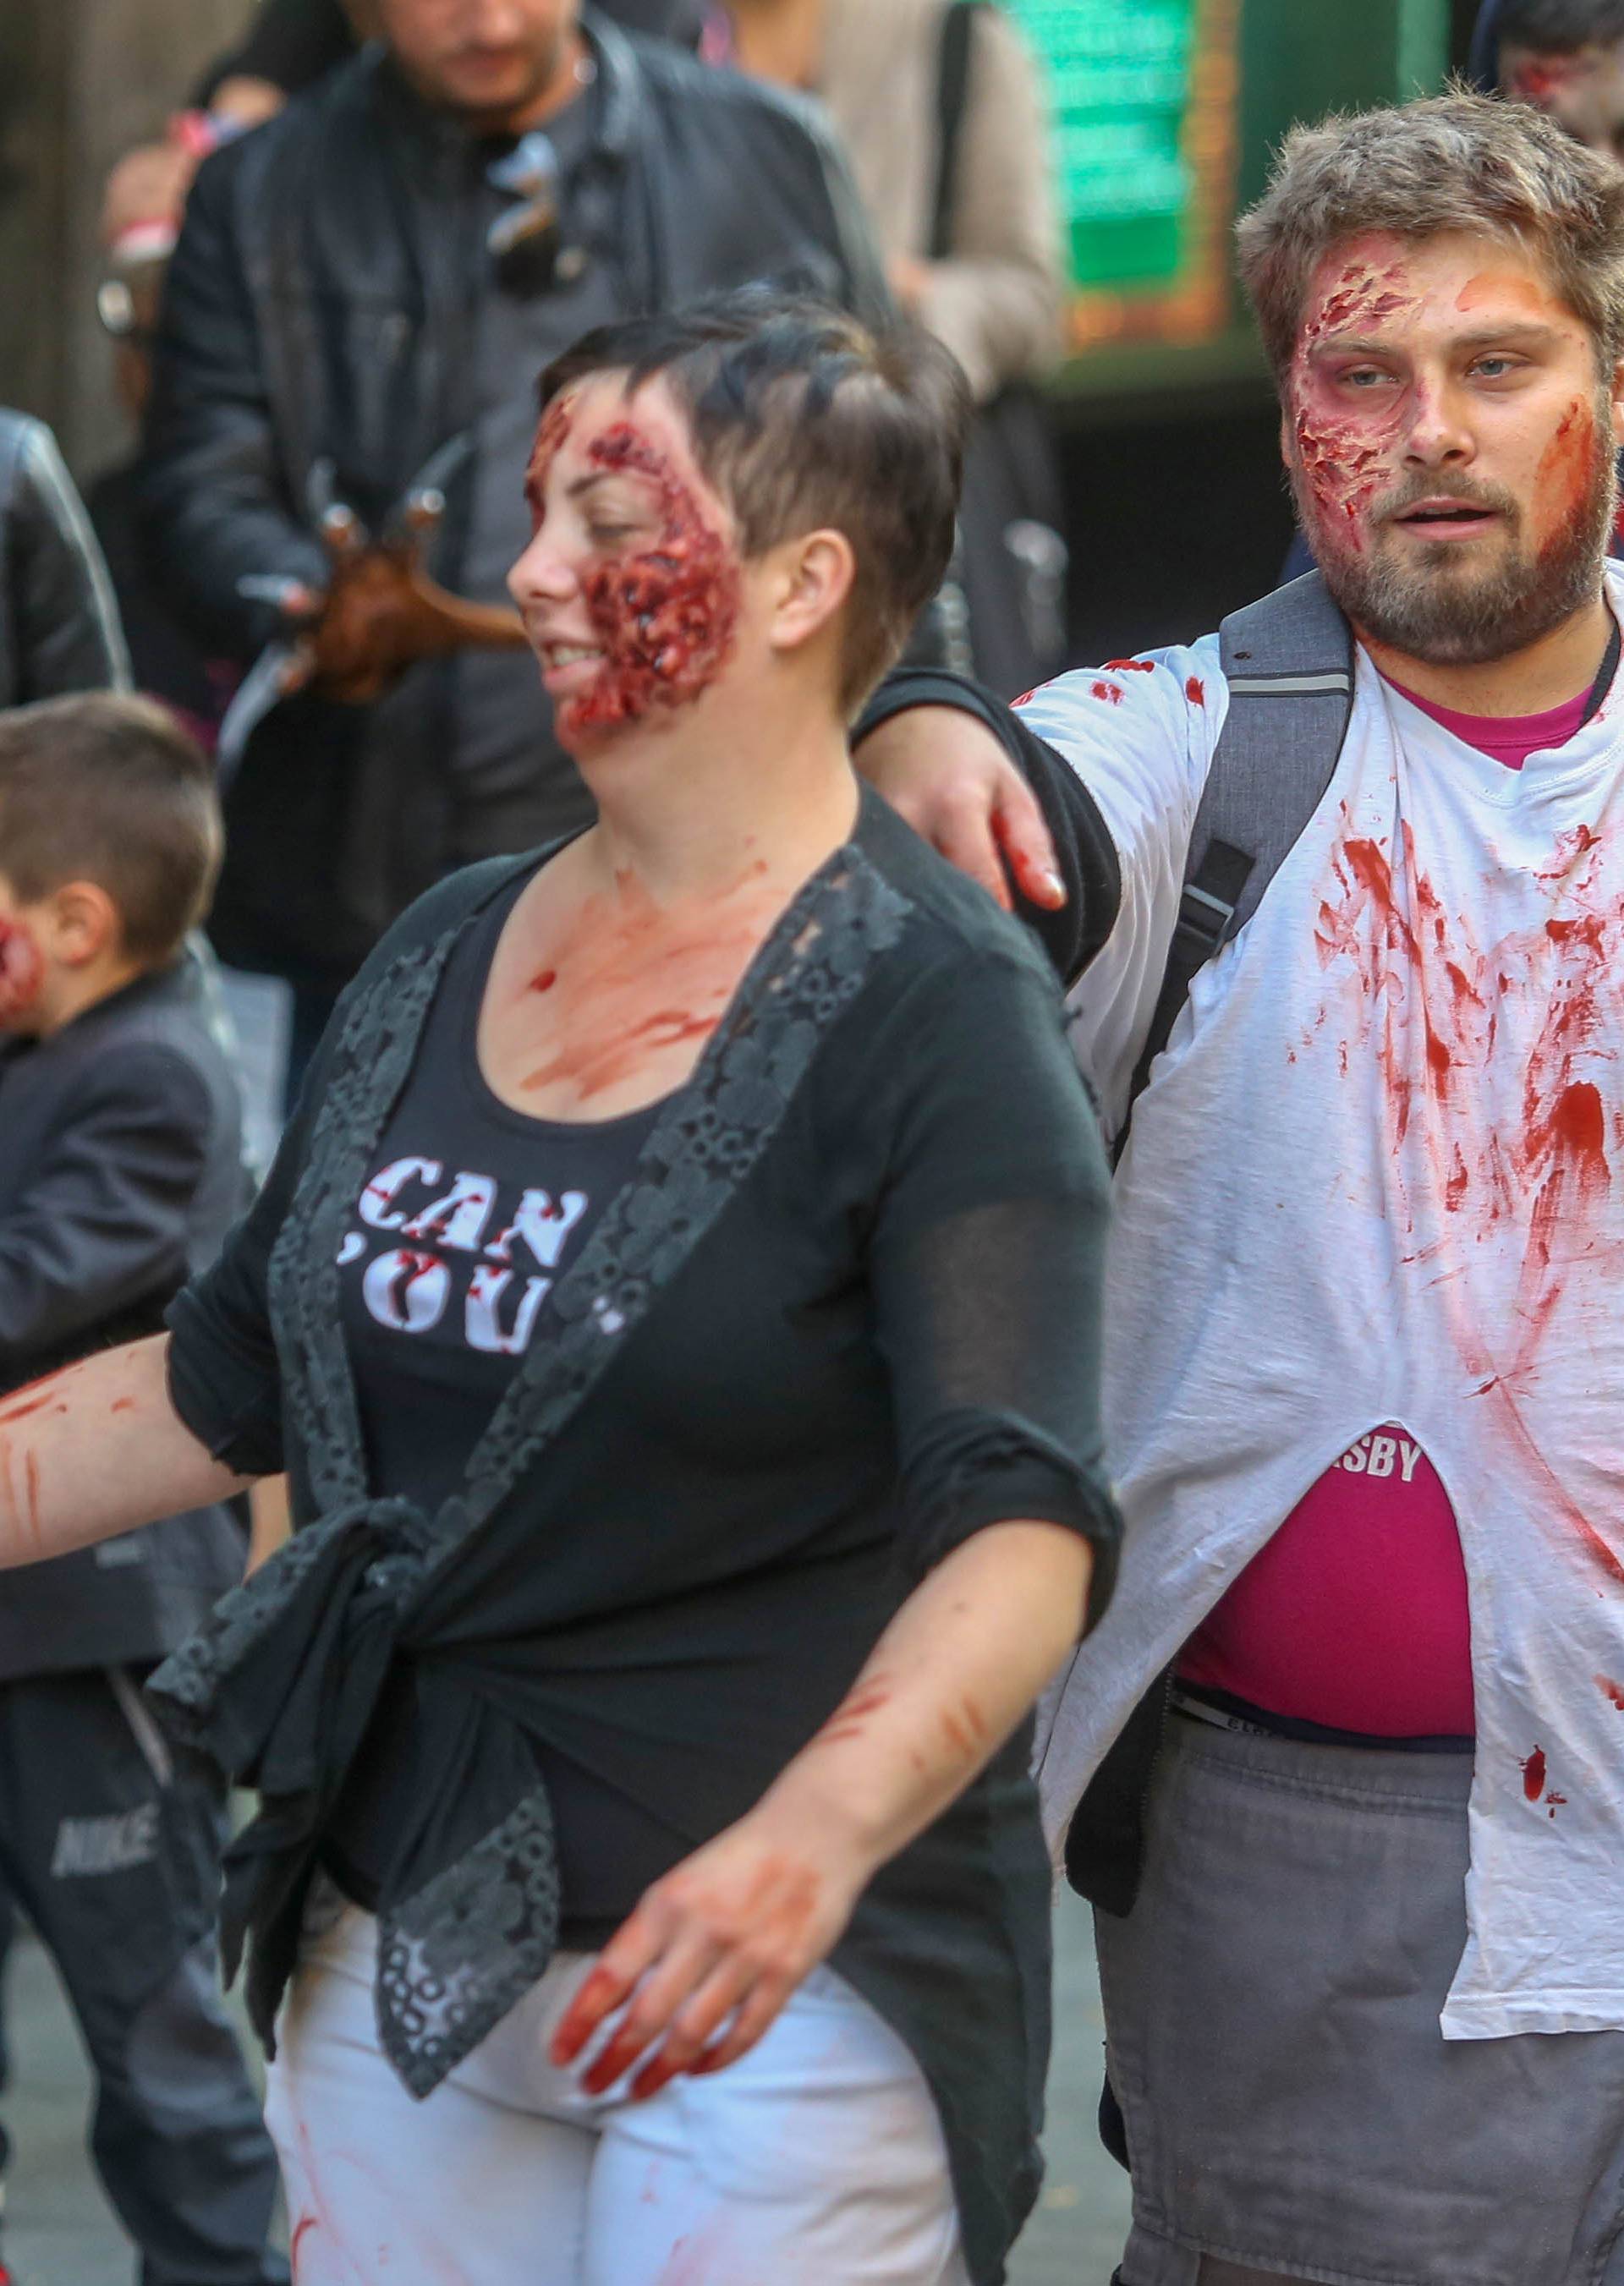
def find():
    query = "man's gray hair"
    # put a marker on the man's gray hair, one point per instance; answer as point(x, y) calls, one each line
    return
point(1459, 162)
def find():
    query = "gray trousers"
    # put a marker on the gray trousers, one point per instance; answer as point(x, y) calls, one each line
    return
point(1272, 2013)
point(110, 1843)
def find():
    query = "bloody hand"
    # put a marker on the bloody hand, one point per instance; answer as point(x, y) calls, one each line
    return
point(715, 1948)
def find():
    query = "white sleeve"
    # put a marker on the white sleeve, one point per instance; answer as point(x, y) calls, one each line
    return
point(1140, 734)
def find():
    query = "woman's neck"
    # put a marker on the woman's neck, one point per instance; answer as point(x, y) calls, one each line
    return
point(687, 813)
point(779, 40)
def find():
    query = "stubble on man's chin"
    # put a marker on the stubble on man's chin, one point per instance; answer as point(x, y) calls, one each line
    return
point(1432, 610)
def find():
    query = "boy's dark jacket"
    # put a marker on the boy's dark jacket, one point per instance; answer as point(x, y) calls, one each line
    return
point(121, 1170)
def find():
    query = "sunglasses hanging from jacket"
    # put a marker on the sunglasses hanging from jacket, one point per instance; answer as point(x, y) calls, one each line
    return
point(526, 242)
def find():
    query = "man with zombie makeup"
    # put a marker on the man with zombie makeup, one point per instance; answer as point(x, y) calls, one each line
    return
point(674, 1303)
point(1566, 57)
point(1343, 1766)
point(363, 294)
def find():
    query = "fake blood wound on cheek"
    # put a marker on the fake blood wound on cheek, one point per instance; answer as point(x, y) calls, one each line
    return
point(1343, 450)
point(1541, 79)
point(22, 971)
point(665, 615)
point(1564, 468)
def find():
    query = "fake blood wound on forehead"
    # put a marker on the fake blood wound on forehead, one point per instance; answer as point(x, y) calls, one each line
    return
point(665, 615)
point(549, 438)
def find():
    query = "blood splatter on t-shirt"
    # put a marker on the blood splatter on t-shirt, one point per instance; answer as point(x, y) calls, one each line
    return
point(1355, 1615)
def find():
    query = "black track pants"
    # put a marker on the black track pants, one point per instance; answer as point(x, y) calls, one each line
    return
point(110, 1843)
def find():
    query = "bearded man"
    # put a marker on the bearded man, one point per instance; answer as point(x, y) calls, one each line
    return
point(1347, 1759)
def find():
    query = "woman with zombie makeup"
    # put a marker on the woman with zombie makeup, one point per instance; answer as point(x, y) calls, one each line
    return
point(676, 1305)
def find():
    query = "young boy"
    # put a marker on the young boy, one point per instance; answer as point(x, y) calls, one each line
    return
point(120, 1168)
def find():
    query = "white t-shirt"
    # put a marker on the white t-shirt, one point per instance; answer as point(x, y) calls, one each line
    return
point(1378, 1176)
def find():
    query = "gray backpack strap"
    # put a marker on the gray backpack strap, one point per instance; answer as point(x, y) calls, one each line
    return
point(1289, 662)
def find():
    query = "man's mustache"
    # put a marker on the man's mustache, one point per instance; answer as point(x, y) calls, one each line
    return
point(1489, 497)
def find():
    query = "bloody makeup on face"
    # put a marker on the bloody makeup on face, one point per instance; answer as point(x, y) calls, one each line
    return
point(21, 972)
point(664, 608)
point(1452, 470)
point(1346, 452)
point(1582, 91)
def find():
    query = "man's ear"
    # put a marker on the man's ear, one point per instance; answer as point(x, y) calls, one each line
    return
point(812, 582)
point(84, 924)
point(1617, 393)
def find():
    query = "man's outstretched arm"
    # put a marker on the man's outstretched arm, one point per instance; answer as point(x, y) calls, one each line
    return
point(999, 803)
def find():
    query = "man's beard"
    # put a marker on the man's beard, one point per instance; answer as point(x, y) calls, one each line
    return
point(1432, 607)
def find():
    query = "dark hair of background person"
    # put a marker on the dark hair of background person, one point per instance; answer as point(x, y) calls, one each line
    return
point(293, 42)
point(1560, 27)
point(97, 787)
point(801, 418)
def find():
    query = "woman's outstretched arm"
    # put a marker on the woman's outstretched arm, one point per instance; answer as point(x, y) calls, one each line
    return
point(97, 1449)
point(725, 1938)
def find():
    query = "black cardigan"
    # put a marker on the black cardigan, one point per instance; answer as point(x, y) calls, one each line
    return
point(844, 1315)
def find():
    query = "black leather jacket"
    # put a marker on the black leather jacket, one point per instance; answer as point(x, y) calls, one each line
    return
point(321, 307)
point(58, 624)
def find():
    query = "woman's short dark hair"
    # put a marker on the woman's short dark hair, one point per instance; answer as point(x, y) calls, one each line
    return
point(803, 417)
point(99, 787)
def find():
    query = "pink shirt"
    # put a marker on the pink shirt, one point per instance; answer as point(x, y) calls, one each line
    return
point(1355, 1614)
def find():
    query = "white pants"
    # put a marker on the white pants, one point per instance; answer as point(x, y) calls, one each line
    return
point(816, 2160)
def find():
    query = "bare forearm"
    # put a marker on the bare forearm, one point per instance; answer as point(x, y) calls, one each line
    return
point(959, 1666)
point(97, 1449)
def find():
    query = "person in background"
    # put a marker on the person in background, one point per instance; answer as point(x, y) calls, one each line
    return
point(961, 193)
point(290, 45)
point(362, 296)
point(59, 620)
point(1565, 56)
point(1342, 1768)
point(58, 632)
point(121, 1170)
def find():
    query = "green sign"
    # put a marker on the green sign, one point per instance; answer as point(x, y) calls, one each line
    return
point(1118, 74)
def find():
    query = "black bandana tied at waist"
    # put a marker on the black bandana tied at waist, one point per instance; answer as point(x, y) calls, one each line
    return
point(281, 1689)
point(283, 1683)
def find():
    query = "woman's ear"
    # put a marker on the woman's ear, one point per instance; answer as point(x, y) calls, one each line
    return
point(812, 584)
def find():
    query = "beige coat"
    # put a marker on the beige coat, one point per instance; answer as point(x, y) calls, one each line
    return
point(997, 301)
